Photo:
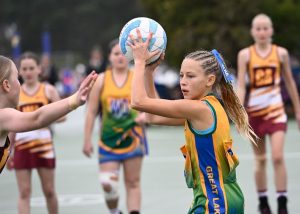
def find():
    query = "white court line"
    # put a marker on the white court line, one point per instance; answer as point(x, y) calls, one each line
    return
point(70, 200)
point(169, 159)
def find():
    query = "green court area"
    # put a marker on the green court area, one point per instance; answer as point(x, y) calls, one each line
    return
point(163, 185)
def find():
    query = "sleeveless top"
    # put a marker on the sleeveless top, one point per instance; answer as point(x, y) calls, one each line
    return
point(4, 154)
point(117, 116)
point(210, 163)
point(38, 140)
point(265, 98)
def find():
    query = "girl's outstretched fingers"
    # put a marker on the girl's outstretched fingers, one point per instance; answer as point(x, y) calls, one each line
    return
point(87, 86)
point(80, 97)
point(149, 38)
point(131, 43)
point(89, 80)
point(139, 36)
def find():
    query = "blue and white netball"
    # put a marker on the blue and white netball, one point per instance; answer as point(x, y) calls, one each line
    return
point(145, 25)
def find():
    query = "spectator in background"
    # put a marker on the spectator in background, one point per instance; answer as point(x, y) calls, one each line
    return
point(68, 82)
point(48, 70)
point(97, 62)
point(167, 82)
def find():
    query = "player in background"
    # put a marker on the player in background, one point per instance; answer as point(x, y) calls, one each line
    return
point(122, 137)
point(266, 65)
point(12, 120)
point(34, 149)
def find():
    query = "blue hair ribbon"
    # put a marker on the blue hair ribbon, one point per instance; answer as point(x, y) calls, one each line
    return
point(227, 76)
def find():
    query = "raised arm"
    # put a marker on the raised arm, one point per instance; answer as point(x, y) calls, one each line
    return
point(12, 120)
point(193, 110)
point(152, 93)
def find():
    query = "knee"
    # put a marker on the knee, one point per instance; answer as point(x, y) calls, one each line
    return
point(132, 183)
point(25, 193)
point(49, 192)
point(109, 182)
point(277, 159)
point(261, 161)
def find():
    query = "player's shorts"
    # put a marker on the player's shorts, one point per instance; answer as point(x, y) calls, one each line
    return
point(34, 149)
point(133, 144)
point(264, 127)
point(25, 159)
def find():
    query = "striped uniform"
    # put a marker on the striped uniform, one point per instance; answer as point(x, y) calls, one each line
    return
point(4, 154)
point(121, 138)
point(34, 149)
point(210, 165)
point(265, 106)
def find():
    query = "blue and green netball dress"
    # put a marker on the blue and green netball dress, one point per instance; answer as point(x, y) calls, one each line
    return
point(121, 138)
point(210, 166)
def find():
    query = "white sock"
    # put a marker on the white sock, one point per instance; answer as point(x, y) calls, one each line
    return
point(263, 194)
point(281, 193)
point(114, 211)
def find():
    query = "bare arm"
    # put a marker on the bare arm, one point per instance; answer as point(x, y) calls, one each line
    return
point(243, 59)
point(152, 93)
point(195, 111)
point(12, 120)
point(91, 114)
point(289, 82)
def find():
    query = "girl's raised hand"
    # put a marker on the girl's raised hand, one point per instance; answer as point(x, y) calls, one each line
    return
point(140, 49)
point(152, 66)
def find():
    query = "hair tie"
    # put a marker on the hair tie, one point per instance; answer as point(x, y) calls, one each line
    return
point(227, 76)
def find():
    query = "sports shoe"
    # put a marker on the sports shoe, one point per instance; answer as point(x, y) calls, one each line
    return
point(134, 212)
point(282, 208)
point(263, 206)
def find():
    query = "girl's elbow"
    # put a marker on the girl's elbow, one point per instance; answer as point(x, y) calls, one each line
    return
point(134, 105)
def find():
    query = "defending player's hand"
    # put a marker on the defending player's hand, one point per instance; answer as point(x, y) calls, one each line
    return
point(80, 97)
point(141, 118)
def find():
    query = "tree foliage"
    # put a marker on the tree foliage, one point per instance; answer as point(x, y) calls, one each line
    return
point(224, 25)
point(74, 25)
point(190, 24)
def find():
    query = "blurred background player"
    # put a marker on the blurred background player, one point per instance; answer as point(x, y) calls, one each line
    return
point(12, 120)
point(122, 141)
point(34, 149)
point(48, 70)
point(266, 65)
point(97, 61)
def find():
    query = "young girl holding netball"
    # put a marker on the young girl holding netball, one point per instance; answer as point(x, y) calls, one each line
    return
point(209, 99)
